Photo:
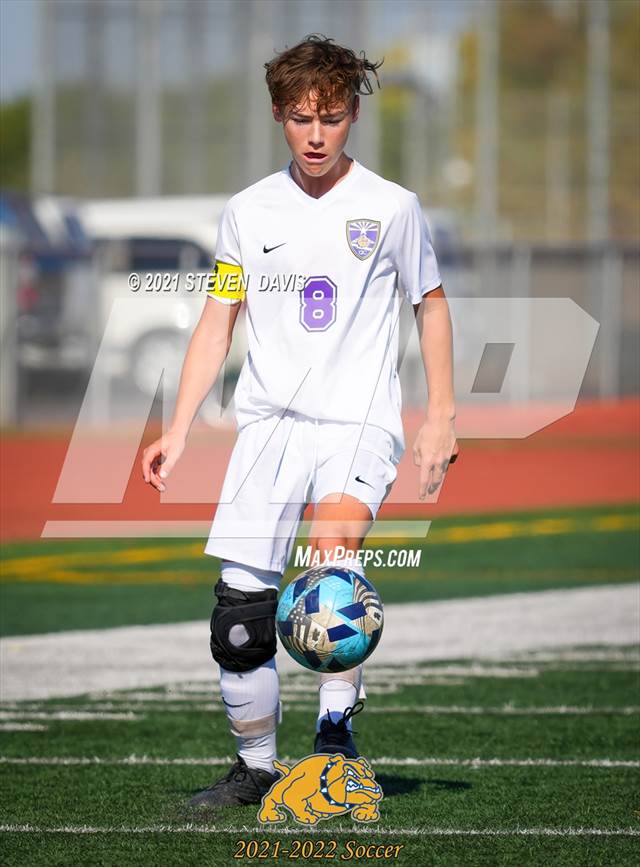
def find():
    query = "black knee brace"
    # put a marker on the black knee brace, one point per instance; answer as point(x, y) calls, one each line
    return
point(257, 613)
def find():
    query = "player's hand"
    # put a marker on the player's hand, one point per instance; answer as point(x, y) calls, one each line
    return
point(434, 449)
point(160, 457)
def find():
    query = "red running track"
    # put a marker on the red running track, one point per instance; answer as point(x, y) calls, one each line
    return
point(590, 456)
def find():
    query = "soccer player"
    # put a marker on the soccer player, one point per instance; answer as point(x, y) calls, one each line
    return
point(318, 252)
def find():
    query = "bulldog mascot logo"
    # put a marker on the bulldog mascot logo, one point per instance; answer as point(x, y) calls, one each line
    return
point(321, 786)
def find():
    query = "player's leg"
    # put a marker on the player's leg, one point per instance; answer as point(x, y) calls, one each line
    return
point(339, 526)
point(250, 534)
point(339, 521)
point(243, 643)
point(350, 486)
point(354, 475)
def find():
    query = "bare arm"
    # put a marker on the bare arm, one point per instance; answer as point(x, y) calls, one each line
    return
point(435, 446)
point(203, 361)
point(436, 346)
point(205, 356)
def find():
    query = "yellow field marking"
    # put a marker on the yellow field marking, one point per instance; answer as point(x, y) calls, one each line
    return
point(68, 568)
point(617, 522)
point(178, 577)
point(537, 527)
point(423, 574)
point(481, 532)
point(67, 576)
point(41, 563)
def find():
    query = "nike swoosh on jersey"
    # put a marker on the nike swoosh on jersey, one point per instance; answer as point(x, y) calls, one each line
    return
point(266, 249)
point(362, 481)
point(228, 704)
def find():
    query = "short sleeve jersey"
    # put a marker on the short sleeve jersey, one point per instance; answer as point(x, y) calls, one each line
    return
point(322, 279)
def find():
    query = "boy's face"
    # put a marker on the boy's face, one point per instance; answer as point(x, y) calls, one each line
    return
point(317, 140)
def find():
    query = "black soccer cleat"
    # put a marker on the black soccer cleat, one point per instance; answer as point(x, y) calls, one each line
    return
point(335, 737)
point(241, 785)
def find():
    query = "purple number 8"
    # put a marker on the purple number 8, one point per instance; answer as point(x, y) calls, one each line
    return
point(318, 304)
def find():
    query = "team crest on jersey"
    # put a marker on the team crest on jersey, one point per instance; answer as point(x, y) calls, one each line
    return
point(363, 237)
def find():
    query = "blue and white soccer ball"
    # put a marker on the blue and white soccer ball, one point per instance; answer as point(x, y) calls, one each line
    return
point(330, 619)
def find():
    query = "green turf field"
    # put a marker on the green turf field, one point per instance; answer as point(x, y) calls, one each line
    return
point(49, 586)
point(532, 760)
point(528, 759)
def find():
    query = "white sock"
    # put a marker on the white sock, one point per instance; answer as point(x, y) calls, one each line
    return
point(337, 695)
point(258, 752)
point(253, 694)
point(242, 577)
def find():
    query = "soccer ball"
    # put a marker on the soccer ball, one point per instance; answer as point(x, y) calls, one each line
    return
point(329, 619)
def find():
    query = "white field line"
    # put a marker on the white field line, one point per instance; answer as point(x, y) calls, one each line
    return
point(510, 763)
point(380, 675)
point(136, 710)
point(13, 710)
point(75, 715)
point(516, 666)
point(630, 667)
point(292, 697)
point(577, 655)
point(471, 669)
point(377, 678)
point(490, 627)
point(105, 711)
point(507, 710)
point(164, 697)
point(303, 694)
point(22, 727)
point(376, 682)
point(524, 670)
point(383, 761)
point(358, 830)
point(405, 675)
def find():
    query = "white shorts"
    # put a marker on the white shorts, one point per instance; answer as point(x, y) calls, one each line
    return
point(280, 464)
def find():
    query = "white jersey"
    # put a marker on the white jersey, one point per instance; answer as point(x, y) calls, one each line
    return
point(320, 278)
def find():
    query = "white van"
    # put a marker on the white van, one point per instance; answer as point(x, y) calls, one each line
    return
point(166, 242)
